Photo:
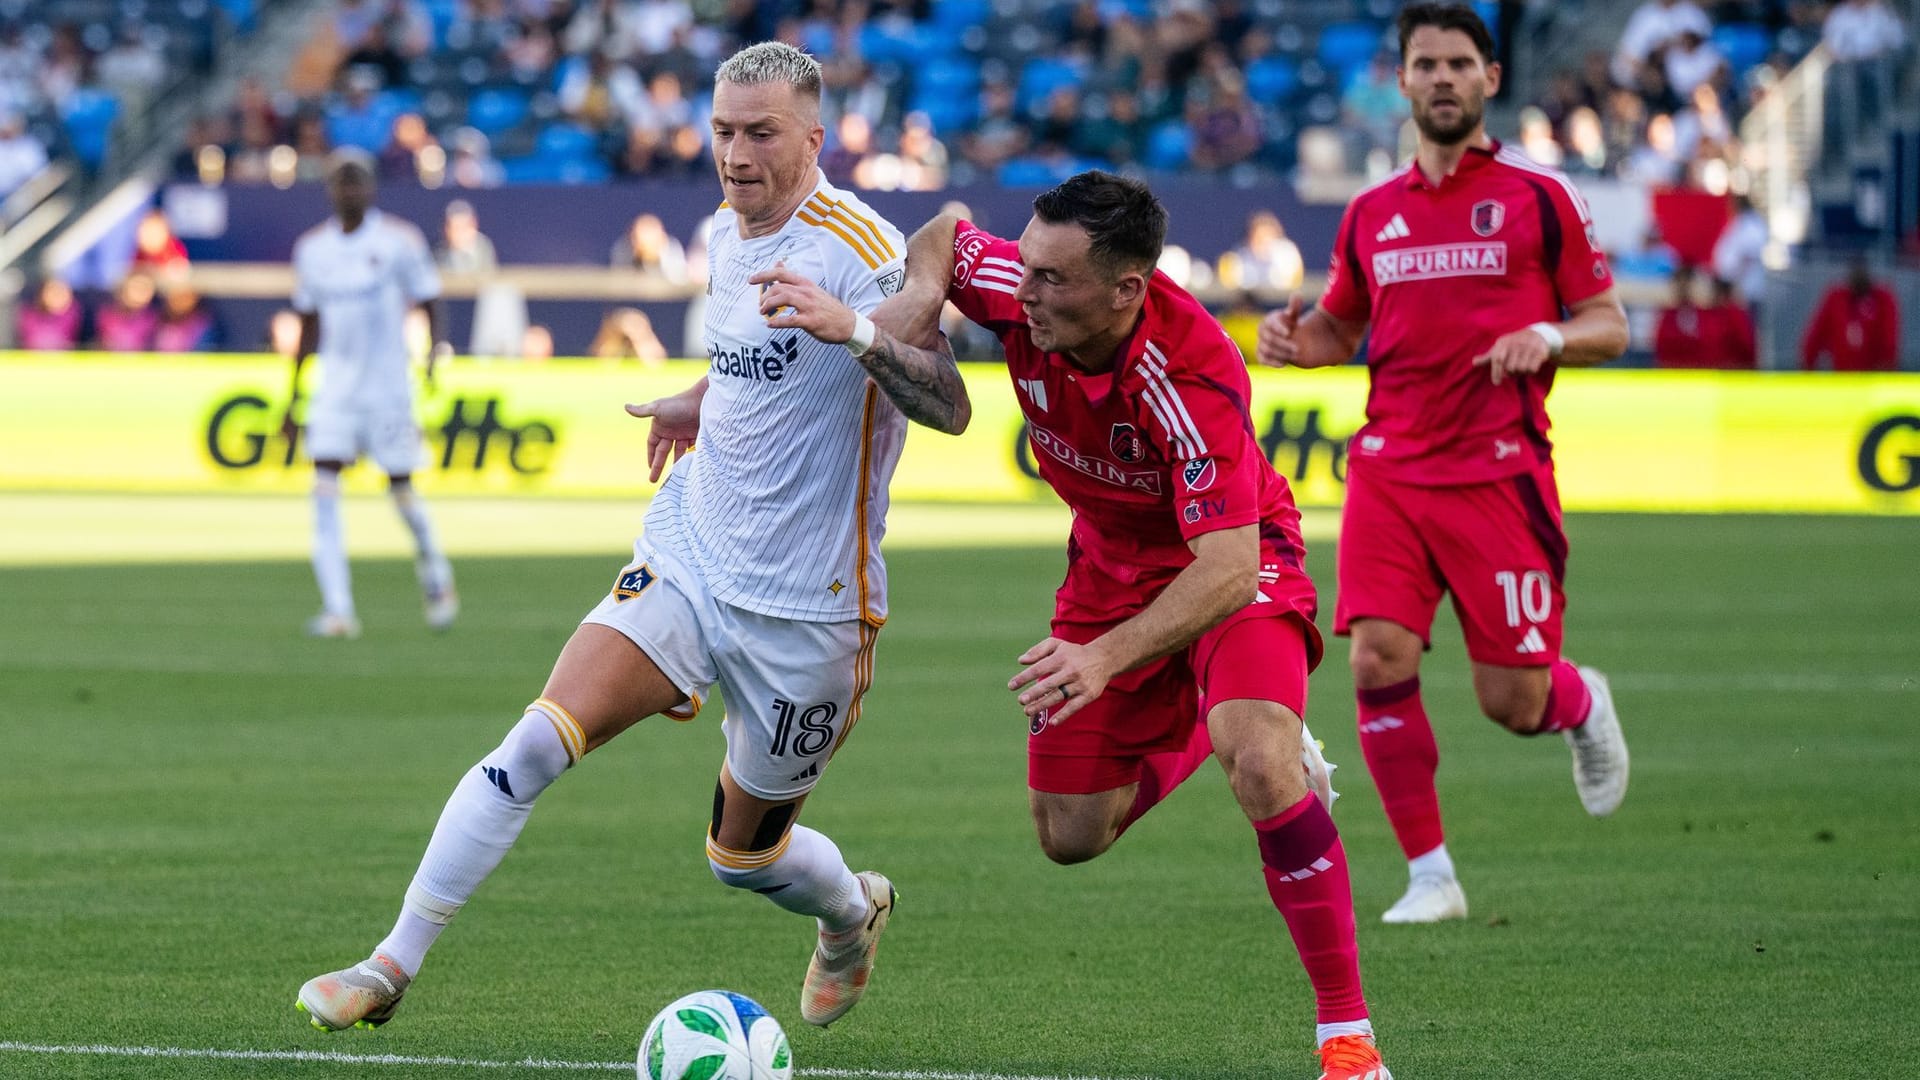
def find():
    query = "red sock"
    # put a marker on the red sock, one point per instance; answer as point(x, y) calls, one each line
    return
point(1397, 742)
point(1161, 773)
point(1568, 700)
point(1306, 872)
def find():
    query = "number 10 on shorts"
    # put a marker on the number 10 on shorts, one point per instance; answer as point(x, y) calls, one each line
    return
point(816, 727)
point(1529, 593)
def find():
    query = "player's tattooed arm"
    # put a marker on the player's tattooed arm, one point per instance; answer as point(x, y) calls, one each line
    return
point(924, 383)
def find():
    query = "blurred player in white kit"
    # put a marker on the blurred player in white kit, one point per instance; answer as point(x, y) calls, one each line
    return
point(357, 278)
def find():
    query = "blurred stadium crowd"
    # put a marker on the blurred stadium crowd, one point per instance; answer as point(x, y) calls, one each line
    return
point(921, 95)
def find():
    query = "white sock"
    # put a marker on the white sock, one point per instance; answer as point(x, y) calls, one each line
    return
point(481, 821)
point(330, 546)
point(808, 877)
point(1435, 863)
point(436, 574)
point(1323, 1032)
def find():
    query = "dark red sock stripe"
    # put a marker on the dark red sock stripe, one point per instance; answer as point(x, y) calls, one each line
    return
point(1382, 696)
point(1292, 839)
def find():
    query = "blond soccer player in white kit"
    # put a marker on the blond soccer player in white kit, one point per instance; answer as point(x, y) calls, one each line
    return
point(759, 571)
point(356, 279)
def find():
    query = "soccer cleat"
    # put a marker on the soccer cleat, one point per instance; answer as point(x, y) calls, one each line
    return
point(442, 608)
point(327, 624)
point(1319, 770)
point(1599, 750)
point(362, 996)
point(1351, 1057)
point(836, 978)
point(1430, 898)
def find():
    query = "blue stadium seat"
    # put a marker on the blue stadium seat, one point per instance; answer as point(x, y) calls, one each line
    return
point(950, 114)
point(1272, 79)
point(496, 109)
point(1743, 44)
point(951, 17)
point(566, 142)
point(542, 169)
point(89, 116)
point(1027, 172)
point(1170, 146)
point(395, 102)
point(241, 13)
point(1346, 46)
point(1042, 76)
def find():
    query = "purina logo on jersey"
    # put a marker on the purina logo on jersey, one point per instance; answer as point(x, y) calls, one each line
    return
point(1062, 451)
point(1440, 261)
point(632, 583)
point(1488, 216)
point(1198, 474)
point(1127, 445)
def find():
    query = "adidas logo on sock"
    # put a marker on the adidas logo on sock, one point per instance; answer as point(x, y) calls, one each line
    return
point(498, 778)
point(1532, 642)
point(1396, 230)
point(1382, 725)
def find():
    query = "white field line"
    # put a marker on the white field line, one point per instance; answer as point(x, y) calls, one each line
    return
point(324, 1057)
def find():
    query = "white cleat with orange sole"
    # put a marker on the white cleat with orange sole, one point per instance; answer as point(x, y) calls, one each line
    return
point(362, 996)
point(837, 975)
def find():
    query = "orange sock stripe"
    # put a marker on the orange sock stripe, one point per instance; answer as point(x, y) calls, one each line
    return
point(564, 725)
point(748, 860)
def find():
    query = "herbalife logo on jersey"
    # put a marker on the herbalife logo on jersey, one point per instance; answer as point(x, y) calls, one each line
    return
point(1440, 261)
point(770, 364)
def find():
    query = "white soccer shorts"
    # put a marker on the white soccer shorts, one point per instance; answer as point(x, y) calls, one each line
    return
point(390, 438)
point(792, 688)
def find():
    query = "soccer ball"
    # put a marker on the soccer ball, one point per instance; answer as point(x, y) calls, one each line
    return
point(715, 1035)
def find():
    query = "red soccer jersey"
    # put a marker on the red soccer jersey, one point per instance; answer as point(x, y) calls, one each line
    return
point(1148, 455)
point(1442, 272)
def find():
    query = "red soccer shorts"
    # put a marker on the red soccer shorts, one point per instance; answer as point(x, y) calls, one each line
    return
point(1263, 651)
point(1497, 547)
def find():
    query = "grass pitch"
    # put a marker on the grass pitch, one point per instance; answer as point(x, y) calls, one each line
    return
point(199, 809)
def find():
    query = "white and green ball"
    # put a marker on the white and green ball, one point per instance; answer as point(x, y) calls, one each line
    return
point(715, 1035)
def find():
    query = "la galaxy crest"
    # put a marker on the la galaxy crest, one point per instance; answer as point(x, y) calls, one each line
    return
point(632, 583)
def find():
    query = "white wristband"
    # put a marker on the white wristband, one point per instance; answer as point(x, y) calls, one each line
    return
point(1549, 333)
point(863, 335)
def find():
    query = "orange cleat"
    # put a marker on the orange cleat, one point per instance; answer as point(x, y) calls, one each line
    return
point(1351, 1057)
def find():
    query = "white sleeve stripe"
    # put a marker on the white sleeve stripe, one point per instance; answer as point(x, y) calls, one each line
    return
point(996, 274)
point(1519, 161)
point(1180, 444)
point(1156, 368)
point(989, 260)
point(994, 285)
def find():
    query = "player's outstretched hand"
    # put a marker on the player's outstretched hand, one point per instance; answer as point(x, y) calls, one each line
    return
point(1060, 678)
point(676, 420)
point(1276, 346)
point(1522, 352)
point(791, 300)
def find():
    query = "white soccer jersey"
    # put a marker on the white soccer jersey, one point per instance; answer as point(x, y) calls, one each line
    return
point(363, 284)
point(784, 500)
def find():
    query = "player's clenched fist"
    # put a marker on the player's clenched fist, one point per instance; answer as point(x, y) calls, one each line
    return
point(789, 299)
point(1276, 346)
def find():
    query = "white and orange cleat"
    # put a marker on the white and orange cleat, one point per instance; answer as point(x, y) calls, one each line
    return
point(838, 973)
point(330, 624)
point(362, 996)
point(441, 609)
point(1351, 1057)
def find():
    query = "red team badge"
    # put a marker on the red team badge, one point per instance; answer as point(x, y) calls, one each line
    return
point(1488, 216)
point(1127, 445)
